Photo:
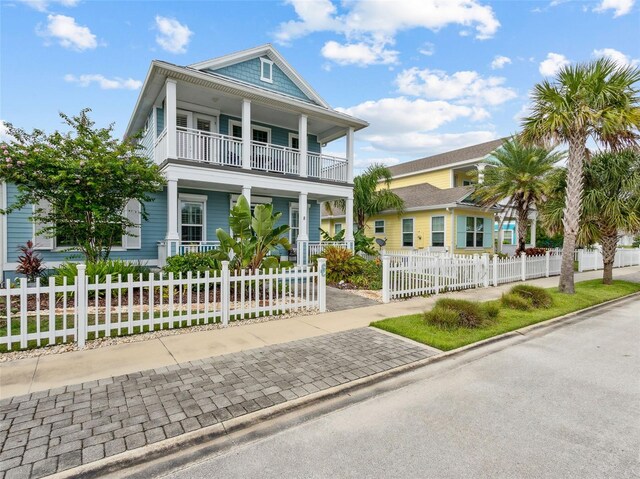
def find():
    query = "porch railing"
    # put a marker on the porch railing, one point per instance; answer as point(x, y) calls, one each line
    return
point(326, 167)
point(215, 148)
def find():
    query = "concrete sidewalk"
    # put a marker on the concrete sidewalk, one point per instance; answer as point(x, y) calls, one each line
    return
point(26, 376)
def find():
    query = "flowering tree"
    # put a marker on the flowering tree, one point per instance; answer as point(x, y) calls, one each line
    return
point(80, 183)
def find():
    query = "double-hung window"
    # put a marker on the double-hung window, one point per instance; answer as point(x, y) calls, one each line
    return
point(378, 227)
point(475, 232)
point(192, 221)
point(437, 231)
point(337, 228)
point(407, 232)
point(266, 70)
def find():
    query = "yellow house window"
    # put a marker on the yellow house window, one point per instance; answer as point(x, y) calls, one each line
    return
point(437, 231)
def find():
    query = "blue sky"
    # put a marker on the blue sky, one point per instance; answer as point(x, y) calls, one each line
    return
point(429, 76)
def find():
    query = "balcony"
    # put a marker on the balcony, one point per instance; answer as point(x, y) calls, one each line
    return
point(223, 150)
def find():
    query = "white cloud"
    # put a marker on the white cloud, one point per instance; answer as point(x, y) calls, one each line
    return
point(43, 5)
point(553, 63)
point(68, 33)
point(103, 82)
point(499, 62)
point(172, 36)
point(619, 7)
point(401, 114)
point(466, 87)
point(360, 54)
point(376, 22)
point(4, 132)
point(427, 49)
point(617, 56)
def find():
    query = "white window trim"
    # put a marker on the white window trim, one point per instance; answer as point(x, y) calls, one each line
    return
point(475, 233)
point(413, 232)
point(384, 227)
point(255, 200)
point(263, 62)
point(188, 114)
point(511, 235)
point(233, 123)
point(291, 137)
point(212, 119)
point(444, 229)
point(187, 197)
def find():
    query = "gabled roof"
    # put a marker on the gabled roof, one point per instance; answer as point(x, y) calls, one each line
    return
point(262, 51)
point(422, 196)
point(467, 154)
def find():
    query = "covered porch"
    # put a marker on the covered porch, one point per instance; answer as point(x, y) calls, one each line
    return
point(198, 202)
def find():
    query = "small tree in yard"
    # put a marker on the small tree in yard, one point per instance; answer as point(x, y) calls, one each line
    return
point(87, 178)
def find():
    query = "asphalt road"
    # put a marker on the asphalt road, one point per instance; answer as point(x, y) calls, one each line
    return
point(562, 405)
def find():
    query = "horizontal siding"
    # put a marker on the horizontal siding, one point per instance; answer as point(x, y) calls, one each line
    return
point(153, 230)
point(439, 179)
point(249, 72)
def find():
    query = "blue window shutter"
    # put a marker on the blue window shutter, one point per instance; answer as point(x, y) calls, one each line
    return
point(487, 241)
point(461, 232)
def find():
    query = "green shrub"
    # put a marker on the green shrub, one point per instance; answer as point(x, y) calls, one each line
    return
point(468, 314)
point(370, 277)
point(443, 317)
point(341, 264)
point(193, 262)
point(491, 309)
point(515, 301)
point(100, 269)
point(539, 297)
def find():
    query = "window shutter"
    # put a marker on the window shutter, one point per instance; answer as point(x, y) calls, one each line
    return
point(40, 240)
point(487, 240)
point(133, 238)
point(461, 232)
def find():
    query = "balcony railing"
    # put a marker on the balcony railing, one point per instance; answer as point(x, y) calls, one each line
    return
point(217, 149)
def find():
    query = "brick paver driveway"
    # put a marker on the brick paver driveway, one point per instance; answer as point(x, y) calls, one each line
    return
point(50, 431)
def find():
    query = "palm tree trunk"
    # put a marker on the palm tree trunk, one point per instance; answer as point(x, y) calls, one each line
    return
point(522, 230)
point(572, 211)
point(609, 246)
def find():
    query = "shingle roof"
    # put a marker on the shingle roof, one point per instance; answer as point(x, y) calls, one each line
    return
point(448, 158)
point(423, 195)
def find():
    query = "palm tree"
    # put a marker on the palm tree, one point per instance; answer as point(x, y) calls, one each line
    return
point(611, 203)
point(369, 198)
point(597, 100)
point(517, 174)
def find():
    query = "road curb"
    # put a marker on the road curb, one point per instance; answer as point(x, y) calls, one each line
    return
point(221, 431)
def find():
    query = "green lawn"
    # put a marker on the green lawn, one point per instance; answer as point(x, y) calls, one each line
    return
point(588, 293)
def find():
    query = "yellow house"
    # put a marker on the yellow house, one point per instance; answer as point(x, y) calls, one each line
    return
point(439, 212)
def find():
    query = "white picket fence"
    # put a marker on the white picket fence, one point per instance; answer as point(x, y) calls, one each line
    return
point(38, 314)
point(591, 260)
point(410, 273)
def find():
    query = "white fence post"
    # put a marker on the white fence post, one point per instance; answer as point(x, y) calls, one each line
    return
point(81, 306)
point(322, 284)
point(523, 257)
point(225, 293)
point(495, 270)
point(485, 269)
point(547, 259)
point(436, 275)
point(580, 260)
point(386, 263)
point(24, 326)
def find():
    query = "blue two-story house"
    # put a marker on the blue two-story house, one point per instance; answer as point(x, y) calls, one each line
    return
point(245, 123)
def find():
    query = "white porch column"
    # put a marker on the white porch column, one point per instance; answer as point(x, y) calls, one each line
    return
point(350, 140)
point(500, 239)
point(170, 112)
point(348, 235)
point(302, 142)
point(246, 192)
point(480, 167)
point(534, 224)
point(172, 236)
point(303, 231)
point(246, 134)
